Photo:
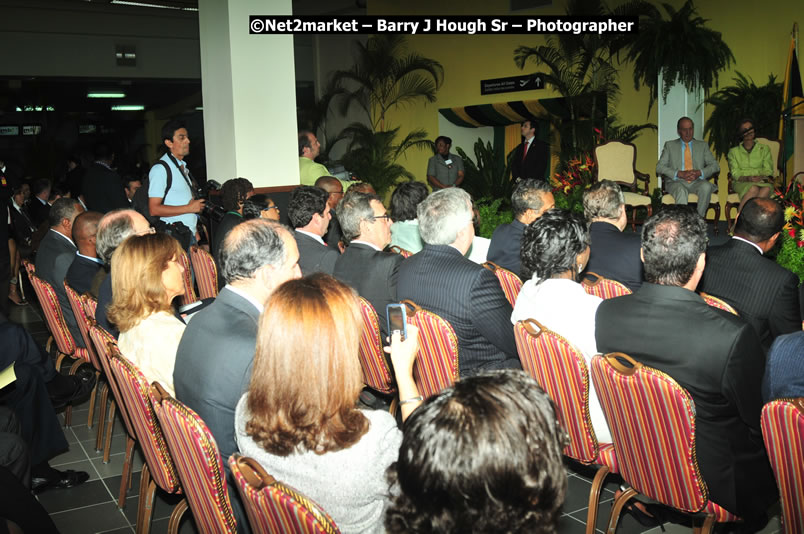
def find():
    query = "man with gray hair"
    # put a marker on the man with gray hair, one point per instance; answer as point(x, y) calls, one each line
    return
point(364, 265)
point(441, 280)
point(614, 252)
point(529, 200)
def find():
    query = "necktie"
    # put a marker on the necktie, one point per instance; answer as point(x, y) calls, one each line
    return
point(525, 150)
point(687, 157)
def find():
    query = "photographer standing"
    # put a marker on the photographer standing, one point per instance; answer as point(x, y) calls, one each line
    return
point(176, 203)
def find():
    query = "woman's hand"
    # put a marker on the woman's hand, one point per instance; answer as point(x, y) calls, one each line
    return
point(403, 357)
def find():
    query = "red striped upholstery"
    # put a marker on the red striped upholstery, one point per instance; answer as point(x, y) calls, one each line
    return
point(401, 251)
point(274, 508)
point(718, 303)
point(372, 358)
point(30, 268)
point(436, 365)
point(783, 432)
point(189, 292)
point(53, 315)
point(510, 282)
point(652, 422)
point(198, 462)
point(603, 287)
point(90, 305)
point(206, 272)
point(83, 324)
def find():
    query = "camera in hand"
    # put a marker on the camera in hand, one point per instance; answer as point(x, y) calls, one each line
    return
point(213, 211)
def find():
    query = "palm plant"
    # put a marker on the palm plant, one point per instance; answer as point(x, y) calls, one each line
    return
point(742, 100)
point(491, 176)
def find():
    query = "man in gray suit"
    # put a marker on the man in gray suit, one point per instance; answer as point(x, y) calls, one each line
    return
point(55, 255)
point(686, 165)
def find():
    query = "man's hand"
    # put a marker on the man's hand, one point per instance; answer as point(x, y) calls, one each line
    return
point(195, 206)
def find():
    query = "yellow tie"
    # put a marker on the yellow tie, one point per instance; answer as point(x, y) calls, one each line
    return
point(687, 157)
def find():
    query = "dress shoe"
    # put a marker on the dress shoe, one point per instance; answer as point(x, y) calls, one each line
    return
point(59, 480)
point(71, 388)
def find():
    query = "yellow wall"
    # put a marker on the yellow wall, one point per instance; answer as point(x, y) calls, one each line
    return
point(758, 34)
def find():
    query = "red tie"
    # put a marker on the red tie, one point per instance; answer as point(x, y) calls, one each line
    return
point(525, 150)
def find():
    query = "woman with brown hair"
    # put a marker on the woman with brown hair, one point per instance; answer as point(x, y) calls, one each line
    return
point(146, 277)
point(300, 419)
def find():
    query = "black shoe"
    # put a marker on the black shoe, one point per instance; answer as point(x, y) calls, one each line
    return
point(72, 388)
point(59, 480)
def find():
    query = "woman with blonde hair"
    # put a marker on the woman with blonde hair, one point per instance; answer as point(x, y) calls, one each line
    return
point(300, 418)
point(146, 277)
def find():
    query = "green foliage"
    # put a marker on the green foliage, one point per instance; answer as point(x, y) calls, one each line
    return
point(490, 176)
point(791, 256)
point(743, 100)
point(571, 200)
point(491, 215)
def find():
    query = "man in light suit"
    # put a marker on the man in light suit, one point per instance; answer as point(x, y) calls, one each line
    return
point(763, 292)
point(364, 265)
point(531, 158)
point(309, 214)
point(440, 279)
point(713, 354)
point(56, 254)
point(686, 165)
point(614, 252)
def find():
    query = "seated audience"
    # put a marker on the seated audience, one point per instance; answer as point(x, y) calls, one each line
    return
point(260, 207)
point(713, 354)
point(56, 253)
point(361, 187)
point(363, 265)
point(38, 206)
point(614, 252)
point(404, 200)
point(334, 188)
point(234, 194)
point(299, 418)
point(531, 198)
point(147, 276)
point(131, 183)
point(113, 228)
point(784, 372)
point(86, 263)
point(468, 296)
point(309, 214)
point(763, 292)
point(555, 249)
point(451, 474)
point(750, 165)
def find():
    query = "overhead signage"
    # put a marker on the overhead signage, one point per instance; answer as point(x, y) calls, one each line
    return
point(32, 129)
point(512, 84)
point(9, 130)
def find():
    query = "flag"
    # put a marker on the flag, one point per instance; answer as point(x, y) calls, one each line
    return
point(792, 105)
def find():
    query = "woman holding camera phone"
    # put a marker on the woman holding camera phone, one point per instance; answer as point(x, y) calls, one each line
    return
point(299, 418)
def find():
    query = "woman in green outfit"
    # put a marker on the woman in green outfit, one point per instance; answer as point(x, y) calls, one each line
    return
point(751, 165)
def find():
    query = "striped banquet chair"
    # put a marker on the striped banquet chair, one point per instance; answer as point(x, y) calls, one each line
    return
point(783, 433)
point(159, 469)
point(90, 305)
point(206, 272)
point(660, 463)
point(376, 374)
point(198, 462)
point(189, 292)
point(560, 369)
point(436, 366)
point(103, 341)
point(510, 282)
point(603, 287)
point(273, 507)
point(716, 302)
point(30, 268)
point(83, 325)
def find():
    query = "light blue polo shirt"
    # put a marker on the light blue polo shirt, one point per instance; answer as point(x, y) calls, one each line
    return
point(178, 195)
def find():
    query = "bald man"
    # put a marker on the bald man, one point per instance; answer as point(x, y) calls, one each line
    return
point(334, 236)
point(86, 263)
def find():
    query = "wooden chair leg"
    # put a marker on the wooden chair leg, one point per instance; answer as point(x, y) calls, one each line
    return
point(594, 498)
point(92, 399)
point(708, 525)
point(146, 504)
point(125, 480)
point(617, 509)
point(175, 517)
point(394, 405)
point(107, 446)
point(104, 398)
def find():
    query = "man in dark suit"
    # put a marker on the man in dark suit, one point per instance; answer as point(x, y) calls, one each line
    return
point(530, 199)
point(440, 279)
point(364, 265)
point(309, 214)
point(763, 292)
point(56, 254)
point(38, 206)
point(614, 253)
point(102, 186)
point(86, 263)
point(531, 158)
point(334, 188)
point(215, 355)
point(714, 355)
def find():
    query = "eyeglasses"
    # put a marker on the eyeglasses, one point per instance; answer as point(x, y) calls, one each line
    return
point(274, 207)
point(375, 217)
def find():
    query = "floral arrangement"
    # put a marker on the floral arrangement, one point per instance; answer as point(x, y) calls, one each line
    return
point(569, 184)
point(791, 253)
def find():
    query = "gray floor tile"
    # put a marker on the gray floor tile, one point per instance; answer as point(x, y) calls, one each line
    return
point(94, 519)
point(124, 530)
point(80, 465)
point(164, 503)
point(115, 465)
point(187, 525)
point(87, 494)
point(73, 454)
point(569, 525)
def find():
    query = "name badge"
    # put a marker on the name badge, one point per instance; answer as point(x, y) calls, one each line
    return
point(447, 162)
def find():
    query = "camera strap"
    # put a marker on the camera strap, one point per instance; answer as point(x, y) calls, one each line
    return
point(187, 176)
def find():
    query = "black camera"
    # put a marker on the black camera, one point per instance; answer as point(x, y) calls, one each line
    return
point(213, 211)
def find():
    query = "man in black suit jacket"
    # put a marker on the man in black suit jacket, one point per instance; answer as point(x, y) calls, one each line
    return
point(440, 279)
point(86, 263)
point(530, 199)
point(102, 186)
point(763, 292)
point(334, 189)
point(56, 254)
point(364, 265)
point(714, 355)
point(309, 214)
point(614, 253)
point(38, 207)
point(531, 158)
